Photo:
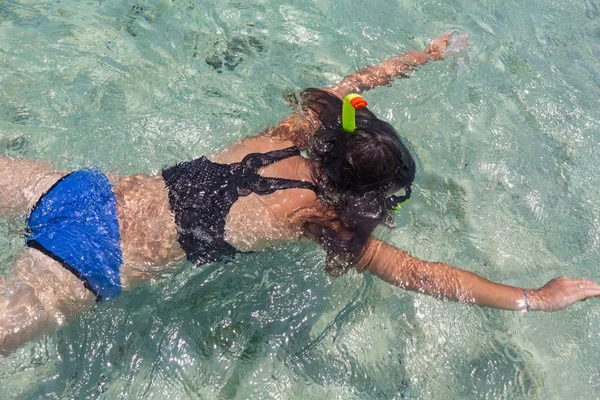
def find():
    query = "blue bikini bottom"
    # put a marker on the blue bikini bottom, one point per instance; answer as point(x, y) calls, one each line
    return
point(75, 223)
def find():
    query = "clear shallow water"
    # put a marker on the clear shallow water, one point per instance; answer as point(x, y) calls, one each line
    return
point(506, 139)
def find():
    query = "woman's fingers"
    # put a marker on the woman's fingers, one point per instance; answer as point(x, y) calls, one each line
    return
point(590, 288)
point(562, 292)
point(590, 282)
point(457, 44)
point(583, 288)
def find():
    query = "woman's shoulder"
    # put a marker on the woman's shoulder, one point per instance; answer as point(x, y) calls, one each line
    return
point(255, 144)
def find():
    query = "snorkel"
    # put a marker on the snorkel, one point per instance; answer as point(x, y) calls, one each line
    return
point(353, 102)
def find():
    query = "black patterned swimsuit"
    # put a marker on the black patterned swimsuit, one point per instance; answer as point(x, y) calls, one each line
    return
point(202, 192)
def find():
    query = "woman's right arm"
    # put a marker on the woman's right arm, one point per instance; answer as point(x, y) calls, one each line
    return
point(442, 281)
point(301, 126)
point(384, 73)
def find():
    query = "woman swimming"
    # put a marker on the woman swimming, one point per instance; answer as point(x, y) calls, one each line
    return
point(90, 235)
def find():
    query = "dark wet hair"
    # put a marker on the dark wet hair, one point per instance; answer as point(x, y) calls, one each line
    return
point(354, 173)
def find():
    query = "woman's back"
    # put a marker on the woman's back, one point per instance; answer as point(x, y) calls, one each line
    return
point(255, 220)
point(147, 225)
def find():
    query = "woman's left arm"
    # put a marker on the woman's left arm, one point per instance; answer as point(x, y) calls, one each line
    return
point(442, 281)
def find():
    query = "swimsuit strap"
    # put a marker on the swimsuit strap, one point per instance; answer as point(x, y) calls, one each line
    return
point(264, 185)
point(256, 161)
point(249, 181)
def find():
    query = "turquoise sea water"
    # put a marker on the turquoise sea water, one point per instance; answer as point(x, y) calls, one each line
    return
point(506, 137)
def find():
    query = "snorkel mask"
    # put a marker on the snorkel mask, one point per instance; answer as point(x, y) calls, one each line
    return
point(353, 102)
point(394, 203)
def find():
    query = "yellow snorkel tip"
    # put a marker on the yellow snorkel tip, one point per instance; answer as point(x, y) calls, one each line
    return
point(396, 209)
point(352, 102)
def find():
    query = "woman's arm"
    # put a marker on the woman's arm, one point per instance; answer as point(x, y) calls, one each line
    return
point(383, 74)
point(300, 126)
point(442, 281)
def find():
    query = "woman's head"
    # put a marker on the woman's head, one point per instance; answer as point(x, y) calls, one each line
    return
point(372, 158)
point(356, 172)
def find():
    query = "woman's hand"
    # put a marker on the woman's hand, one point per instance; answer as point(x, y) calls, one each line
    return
point(562, 292)
point(446, 44)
